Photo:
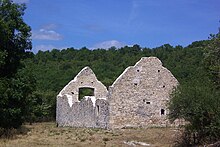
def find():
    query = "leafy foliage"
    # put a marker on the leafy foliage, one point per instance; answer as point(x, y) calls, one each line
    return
point(85, 92)
point(212, 58)
point(197, 103)
point(29, 83)
point(197, 100)
point(14, 37)
point(54, 69)
point(16, 82)
point(15, 94)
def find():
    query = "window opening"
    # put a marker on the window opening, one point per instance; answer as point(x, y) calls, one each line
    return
point(162, 112)
point(145, 101)
point(97, 110)
point(85, 92)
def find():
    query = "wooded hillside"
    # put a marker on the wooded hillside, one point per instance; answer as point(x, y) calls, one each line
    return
point(54, 69)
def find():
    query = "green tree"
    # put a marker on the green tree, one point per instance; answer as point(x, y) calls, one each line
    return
point(197, 99)
point(16, 82)
point(197, 103)
point(212, 58)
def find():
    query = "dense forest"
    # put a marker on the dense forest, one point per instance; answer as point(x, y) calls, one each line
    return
point(196, 99)
point(30, 82)
point(54, 69)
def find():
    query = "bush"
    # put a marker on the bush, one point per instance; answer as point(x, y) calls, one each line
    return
point(197, 103)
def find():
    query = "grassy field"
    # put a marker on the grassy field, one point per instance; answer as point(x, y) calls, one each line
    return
point(47, 134)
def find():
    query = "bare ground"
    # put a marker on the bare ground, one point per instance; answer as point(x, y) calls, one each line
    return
point(47, 134)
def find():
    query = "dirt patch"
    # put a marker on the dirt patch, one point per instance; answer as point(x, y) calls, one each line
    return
point(47, 134)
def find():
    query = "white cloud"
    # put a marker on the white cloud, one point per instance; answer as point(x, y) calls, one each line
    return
point(47, 33)
point(20, 1)
point(109, 44)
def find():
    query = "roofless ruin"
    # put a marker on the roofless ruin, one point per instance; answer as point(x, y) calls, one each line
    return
point(137, 98)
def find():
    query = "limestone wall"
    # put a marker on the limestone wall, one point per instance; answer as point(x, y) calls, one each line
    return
point(137, 98)
point(139, 95)
point(102, 113)
point(81, 114)
point(85, 78)
point(91, 111)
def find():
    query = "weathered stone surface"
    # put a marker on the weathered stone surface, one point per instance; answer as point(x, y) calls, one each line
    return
point(137, 98)
point(72, 112)
point(139, 95)
point(85, 78)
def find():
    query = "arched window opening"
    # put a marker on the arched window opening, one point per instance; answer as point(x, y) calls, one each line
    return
point(85, 91)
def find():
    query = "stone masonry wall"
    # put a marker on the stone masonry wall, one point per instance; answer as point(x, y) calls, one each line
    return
point(72, 112)
point(139, 96)
point(85, 78)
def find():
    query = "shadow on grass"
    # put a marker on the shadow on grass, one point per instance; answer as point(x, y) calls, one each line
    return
point(11, 133)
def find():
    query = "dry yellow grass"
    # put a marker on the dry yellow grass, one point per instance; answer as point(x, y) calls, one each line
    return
point(47, 134)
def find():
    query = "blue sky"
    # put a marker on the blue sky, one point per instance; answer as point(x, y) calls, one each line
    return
point(105, 23)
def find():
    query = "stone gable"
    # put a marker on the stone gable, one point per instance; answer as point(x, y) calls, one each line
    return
point(139, 95)
point(137, 98)
point(73, 112)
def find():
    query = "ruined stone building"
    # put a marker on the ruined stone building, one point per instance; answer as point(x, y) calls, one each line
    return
point(137, 98)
